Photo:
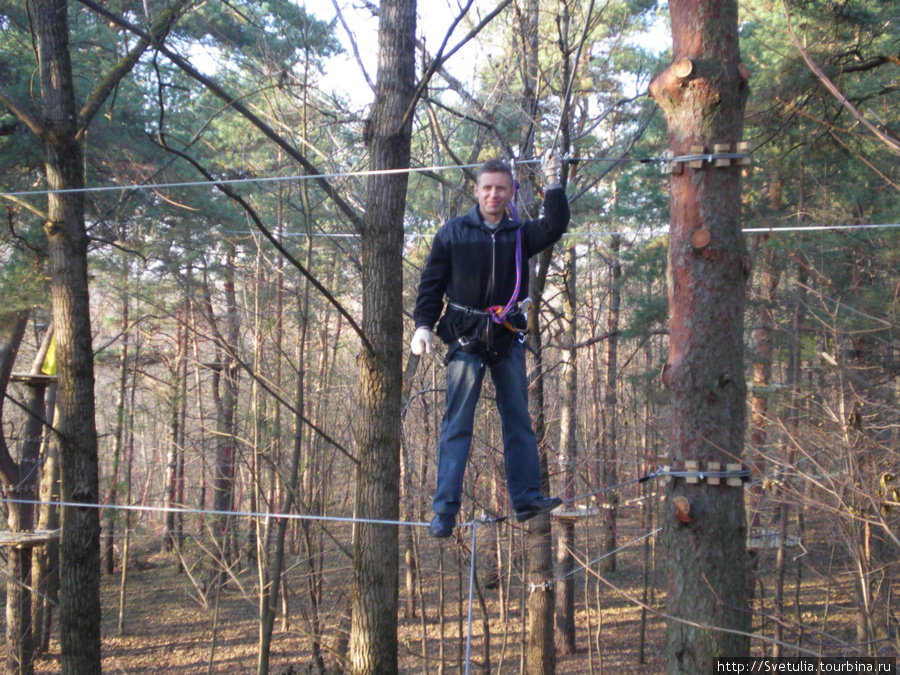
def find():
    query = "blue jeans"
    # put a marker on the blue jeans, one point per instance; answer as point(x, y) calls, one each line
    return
point(465, 374)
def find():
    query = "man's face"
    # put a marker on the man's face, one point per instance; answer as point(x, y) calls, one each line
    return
point(493, 192)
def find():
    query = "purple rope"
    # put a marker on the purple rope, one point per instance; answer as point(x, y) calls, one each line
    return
point(513, 209)
point(498, 313)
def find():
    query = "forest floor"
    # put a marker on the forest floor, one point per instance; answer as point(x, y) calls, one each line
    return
point(167, 628)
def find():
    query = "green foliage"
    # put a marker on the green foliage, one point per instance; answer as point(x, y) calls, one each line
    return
point(811, 142)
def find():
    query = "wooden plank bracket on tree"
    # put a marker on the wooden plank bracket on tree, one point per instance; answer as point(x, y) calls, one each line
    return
point(17, 489)
point(763, 538)
point(670, 164)
point(722, 149)
point(665, 476)
point(736, 475)
point(720, 157)
point(696, 163)
point(692, 466)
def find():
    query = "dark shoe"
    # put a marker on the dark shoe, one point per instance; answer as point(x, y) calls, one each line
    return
point(441, 525)
point(538, 506)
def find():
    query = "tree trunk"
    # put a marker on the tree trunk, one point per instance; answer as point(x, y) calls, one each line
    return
point(118, 429)
point(703, 93)
point(128, 448)
point(568, 456)
point(45, 559)
point(785, 492)
point(408, 502)
point(540, 655)
point(272, 580)
point(225, 374)
point(18, 484)
point(762, 376)
point(176, 432)
point(610, 440)
point(79, 606)
point(373, 639)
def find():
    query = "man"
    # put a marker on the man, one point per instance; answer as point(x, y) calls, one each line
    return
point(479, 261)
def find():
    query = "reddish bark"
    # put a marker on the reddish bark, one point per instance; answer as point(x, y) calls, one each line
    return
point(703, 95)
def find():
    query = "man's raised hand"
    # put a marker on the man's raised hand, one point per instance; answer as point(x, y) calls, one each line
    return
point(551, 166)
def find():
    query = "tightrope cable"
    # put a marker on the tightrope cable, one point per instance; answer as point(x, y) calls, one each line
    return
point(348, 174)
point(589, 563)
point(646, 234)
point(642, 479)
point(211, 512)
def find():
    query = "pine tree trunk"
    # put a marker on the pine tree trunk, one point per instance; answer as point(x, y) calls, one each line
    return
point(703, 93)
point(79, 610)
point(373, 639)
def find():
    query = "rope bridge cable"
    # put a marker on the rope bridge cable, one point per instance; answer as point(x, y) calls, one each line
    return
point(642, 479)
point(486, 519)
point(451, 167)
point(744, 473)
point(481, 520)
point(31, 589)
point(589, 563)
point(350, 174)
point(212, 512)
point(650, 234)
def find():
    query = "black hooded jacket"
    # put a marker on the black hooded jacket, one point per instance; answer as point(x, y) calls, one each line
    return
point(473, 265)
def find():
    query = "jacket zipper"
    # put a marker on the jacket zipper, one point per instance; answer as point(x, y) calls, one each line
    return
point(493, 268)
point(487, 331)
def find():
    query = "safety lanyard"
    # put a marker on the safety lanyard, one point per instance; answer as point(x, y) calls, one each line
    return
point(497, 312)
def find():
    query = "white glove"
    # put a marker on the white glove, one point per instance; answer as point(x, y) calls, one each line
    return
point(421, 341)
point(551, 166)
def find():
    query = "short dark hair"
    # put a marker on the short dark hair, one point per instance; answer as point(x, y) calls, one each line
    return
point(494, 166)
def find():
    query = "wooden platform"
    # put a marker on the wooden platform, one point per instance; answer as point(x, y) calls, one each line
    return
point(767, 538)
point(32, 378)
point(570, 513)
point(27, 539)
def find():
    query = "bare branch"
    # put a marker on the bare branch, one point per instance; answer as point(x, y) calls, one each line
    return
point(21, 111)
point(353, 45)
point(441, 58)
